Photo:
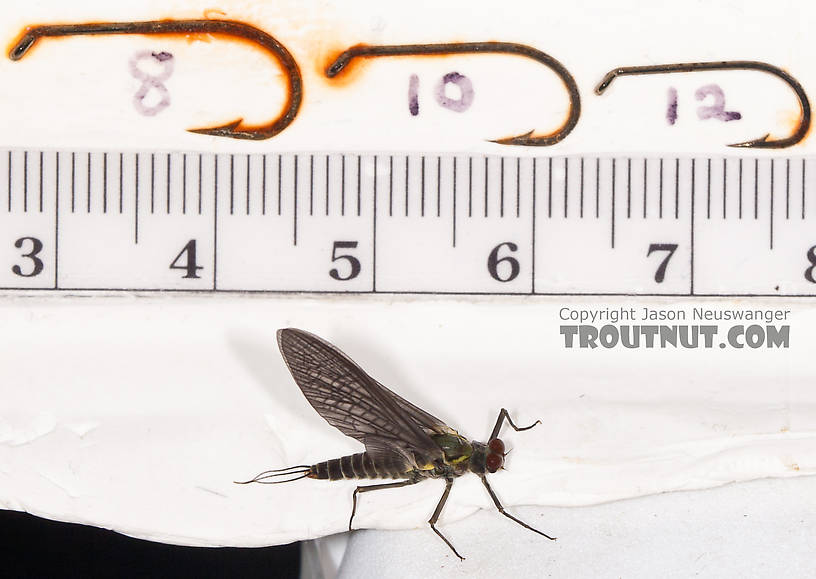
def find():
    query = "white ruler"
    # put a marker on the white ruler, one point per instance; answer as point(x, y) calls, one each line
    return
point(407, 224)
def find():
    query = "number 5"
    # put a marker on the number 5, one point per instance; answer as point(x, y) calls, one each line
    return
point(353, 261)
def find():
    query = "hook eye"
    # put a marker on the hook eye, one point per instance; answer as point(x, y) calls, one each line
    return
point(764, 142)
point(528, 139)
point(230, 28)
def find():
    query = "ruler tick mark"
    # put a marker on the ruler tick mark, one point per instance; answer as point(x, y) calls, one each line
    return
point(804, 183)
point(152, 182)
point(501, 187)
point(549, 187)
point(343, 185)
point(677, 188)
point(41, 180)
point(135, 198)
point(374, 231)
point(390, 185)
point(25, 181)
point(598, 188)
point(201, 181)
point(184, 184)
point(232, 184)
point(725, 189)
point(215, 222)
point(439, 186)
point(407, 183)
point(740, 189)
point(486, 181)
point(295, 195)
point(470, 187)
point(566, 186)
point(629, 188)
point(518, 187)
point(582, 189)
point(169, 183)
point(121, 183)
point(660, 198)
point(263, 184)
point(533, 241)
point(454, 202)
point(90, 181)
point(422, 189)
point(280, 183)
point(787, 189)
point(756, 189)
point(359, 185)
point(645, 186)
point(248, 184)
point(613, 201)
point(10, 165)
point(708, 190)
point(104, 182)
point(772, 202)
point(56, 217)
point(311, 184)
point(693, 210)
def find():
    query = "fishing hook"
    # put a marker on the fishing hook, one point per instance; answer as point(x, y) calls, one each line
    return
point(526, 139)
point(764, 142)
point(229, 28)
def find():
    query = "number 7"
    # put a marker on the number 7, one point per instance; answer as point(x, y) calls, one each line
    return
point(660, 275)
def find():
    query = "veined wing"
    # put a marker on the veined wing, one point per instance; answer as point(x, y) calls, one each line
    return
point(356, 404)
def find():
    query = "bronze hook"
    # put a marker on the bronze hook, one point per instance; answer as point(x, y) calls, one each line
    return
point(526, 139)
point(167, 27)
point(761, 143)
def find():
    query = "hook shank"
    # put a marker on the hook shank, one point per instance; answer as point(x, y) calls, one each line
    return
point(229, 28)
point(527, 139)
point(764, 142)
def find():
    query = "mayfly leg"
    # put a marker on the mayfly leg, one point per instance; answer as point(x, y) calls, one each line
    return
point(504, 415)
point(438, 511)
point(365, 489)
point(508, 515)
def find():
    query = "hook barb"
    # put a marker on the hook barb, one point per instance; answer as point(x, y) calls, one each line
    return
point(230, 28)
point(764, 142)
point(528, 139)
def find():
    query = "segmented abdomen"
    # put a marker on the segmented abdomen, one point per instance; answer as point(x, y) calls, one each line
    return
point(359, 465)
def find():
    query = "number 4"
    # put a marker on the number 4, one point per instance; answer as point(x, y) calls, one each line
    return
point(190, 266)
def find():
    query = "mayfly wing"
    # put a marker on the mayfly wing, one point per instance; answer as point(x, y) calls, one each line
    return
point(356, 404)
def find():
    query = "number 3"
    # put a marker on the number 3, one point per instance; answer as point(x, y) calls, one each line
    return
point(36, 248)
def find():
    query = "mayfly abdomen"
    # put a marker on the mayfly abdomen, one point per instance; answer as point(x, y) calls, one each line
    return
point(355, 466)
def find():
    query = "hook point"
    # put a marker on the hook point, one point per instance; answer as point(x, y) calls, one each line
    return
point(763, 142)
point(230, 130)
point(523, 139)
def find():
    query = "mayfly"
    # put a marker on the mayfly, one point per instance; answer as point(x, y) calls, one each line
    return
point(401, 440)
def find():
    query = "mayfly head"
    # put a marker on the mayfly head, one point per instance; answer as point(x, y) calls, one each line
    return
point(495, 455)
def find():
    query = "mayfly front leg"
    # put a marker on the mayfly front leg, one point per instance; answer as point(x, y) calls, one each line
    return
point(508, 515)
point(365, 489)
point(504, 415)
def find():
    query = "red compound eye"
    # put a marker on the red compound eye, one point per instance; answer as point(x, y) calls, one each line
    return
point(494, 462)
point(496, 446)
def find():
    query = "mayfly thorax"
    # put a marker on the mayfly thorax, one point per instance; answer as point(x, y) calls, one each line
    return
point(402, 441)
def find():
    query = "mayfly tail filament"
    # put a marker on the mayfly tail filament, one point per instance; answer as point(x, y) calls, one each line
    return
point(266, 477)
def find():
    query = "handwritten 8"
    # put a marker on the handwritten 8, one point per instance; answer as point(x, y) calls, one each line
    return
point(241, 31)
